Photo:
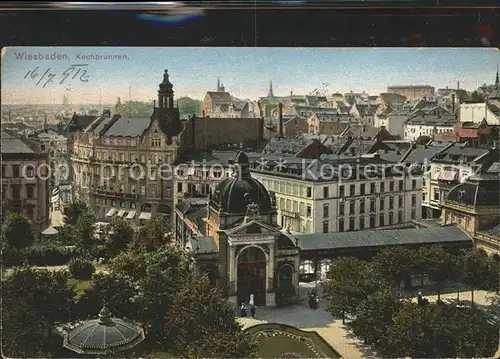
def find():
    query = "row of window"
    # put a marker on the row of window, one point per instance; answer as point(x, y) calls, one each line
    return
point(122, 157)
point(191, 188)
point(120, 142)
point(17, 172)
point(152, 190)
point(306, 210)
point(112, 202)
point(371, 224)
point(362, 206)
point(15, 191)
point(354, 189)
point(372, 189)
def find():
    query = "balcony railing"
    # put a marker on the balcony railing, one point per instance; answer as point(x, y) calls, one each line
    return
point(494, 241)
point(110, 193)
point(289, 213)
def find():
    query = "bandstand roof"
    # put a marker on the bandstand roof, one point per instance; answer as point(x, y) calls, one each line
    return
point(103, 336)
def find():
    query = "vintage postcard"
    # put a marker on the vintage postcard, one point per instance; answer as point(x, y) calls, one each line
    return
point(250, 202)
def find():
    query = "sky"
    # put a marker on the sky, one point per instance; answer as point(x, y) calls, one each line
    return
point(245, 72)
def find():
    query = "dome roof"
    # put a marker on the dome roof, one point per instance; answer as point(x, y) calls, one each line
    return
point(233, 194)
point(103, 336)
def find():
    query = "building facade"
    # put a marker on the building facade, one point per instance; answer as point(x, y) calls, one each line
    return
point(123, 165)
point(316, 197)
point(242, 247)
point(25, 179)
point(237, 241)
point(448, 168)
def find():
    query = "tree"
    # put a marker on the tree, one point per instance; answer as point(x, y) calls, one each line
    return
point(159, 275)
point(33, 302)
point(421, 332)
point(437, 263)
point(475, 270)
point(395, 264)
point(189, 107)
point(85, 230)
point(112, 289)
point(201, 323)
point(153, 235)
point(135, 109)
point(349, 281)
point(74, 211)
point(16, 231)
point(476, 97)
point(441, 331)
point(477, 335)
point(375, 314)
point(81, 268)
point(67, 235)
point(119, 237)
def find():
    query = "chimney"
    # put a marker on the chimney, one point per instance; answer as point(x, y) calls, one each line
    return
point(458, 85)
point(291, 95)
point(280, 106)
point(453, 103)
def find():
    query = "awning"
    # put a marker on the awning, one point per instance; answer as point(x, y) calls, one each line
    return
point(121, 213)
point(131, 214)
point(145, 215)
point(55, 199)
point(448, 176)
point(111, 212)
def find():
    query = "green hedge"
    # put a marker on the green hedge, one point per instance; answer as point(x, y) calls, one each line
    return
point(39, 256)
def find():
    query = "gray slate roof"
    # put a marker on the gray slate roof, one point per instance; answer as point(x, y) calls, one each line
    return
point(13, 143)
point(129, 127)
point(422, 153)
point(203, 245)
point(377, 238)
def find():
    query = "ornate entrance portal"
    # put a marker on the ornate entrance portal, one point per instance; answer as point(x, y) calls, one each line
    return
point(252, 275)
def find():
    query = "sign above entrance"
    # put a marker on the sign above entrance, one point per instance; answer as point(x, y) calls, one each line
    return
point(253, 238)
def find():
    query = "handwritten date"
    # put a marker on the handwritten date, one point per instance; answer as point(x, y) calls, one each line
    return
point(78, 72)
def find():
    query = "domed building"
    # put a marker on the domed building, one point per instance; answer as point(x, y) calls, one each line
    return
point(243, 249)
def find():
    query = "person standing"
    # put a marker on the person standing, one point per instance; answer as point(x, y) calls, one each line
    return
point(243, 311)
point(252, 310)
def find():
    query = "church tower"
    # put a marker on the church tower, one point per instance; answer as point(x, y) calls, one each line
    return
point(220, 86)
point(167, 115)
point(270, 94)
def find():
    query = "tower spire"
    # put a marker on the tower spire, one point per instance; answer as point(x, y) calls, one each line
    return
point(271, 94)
point(218, 84)
point(497, 80)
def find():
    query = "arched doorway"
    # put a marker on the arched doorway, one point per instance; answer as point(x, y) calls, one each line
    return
point(252, 275)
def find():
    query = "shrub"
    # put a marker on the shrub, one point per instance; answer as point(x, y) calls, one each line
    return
point(48, 255)
point(11, 257)
point(81, 268)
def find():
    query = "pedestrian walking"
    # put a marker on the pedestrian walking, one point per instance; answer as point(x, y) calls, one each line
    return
point(243, 311)
point(252, 311)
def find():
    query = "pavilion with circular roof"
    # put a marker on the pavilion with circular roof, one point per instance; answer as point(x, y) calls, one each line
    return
point(103, 336)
